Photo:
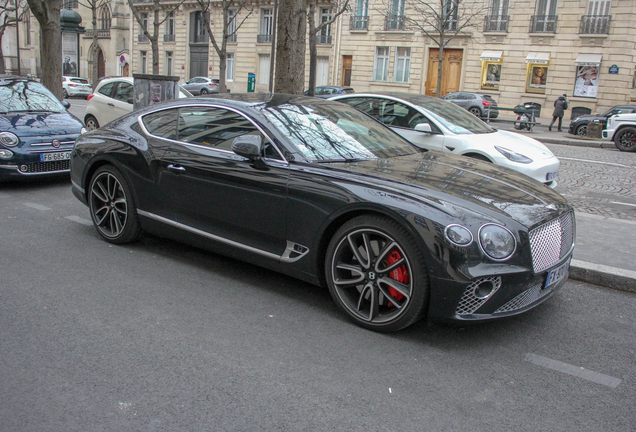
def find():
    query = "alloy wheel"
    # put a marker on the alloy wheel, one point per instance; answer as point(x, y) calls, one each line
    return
point(108, 205)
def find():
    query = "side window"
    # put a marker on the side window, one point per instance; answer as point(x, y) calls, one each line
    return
point(124, 91)
point(361, 104)
point(162, 123)
point(399, 115)
point(106, 89)
point(462, 96)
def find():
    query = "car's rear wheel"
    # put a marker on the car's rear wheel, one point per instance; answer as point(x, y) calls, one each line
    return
point(377, 274)
point(112, 208)
point(625, 139)
point(204, 91)
point(581, 130)
point(475, 111)
point(91, 122)
point(65, 93)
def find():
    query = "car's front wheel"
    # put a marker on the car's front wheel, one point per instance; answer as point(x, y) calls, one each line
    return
point(204, 91)
point(112, 208)
point(581, 130)
point(625, 139)
point(91, 122)
point(475, 111)
point(65, 93)
point(377, 274)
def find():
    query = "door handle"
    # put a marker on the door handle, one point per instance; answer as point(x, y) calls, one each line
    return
point(176, 168)
point(110, 104)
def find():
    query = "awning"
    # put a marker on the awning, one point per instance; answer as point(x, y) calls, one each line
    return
point(589, 59)
point(538, 57)
point(493, 56)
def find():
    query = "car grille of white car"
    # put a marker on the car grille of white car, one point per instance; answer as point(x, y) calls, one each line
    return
point(552, 241)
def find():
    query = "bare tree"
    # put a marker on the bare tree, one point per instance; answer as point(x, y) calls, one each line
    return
point(47, 12)
point(156, 23)
point(230, 25)
point(340, 7)
point(291, 33)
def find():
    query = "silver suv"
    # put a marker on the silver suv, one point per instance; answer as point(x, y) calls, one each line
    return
point(480, 105)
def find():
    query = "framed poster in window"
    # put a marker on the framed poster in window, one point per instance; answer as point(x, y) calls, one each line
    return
point(586, 84)
point(490, 75)
point(537, 76)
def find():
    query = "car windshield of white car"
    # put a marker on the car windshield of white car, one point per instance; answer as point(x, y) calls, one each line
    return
point(455, 119)
point(334, 132)
point(27, 96)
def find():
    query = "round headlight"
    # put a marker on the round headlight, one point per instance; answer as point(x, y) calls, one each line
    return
point(458, 235)
point(9, 139)
point(6, 154)
point(497, 242)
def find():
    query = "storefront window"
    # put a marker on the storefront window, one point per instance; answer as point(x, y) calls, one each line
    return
point(586, 84)
point(490, 75)
point(537, 76)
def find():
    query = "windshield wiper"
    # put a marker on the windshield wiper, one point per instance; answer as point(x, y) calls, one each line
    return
point(343, 160)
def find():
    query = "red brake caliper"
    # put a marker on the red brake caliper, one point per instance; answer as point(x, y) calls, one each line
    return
point(399, 274)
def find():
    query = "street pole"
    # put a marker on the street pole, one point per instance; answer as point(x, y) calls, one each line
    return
point(17, 35)
point(273, 50)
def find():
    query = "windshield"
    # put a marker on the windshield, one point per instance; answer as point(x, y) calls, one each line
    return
point(455, 119)
point(21, 95)
point(326, 131)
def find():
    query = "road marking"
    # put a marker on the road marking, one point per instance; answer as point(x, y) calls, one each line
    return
point(597, 162)
point(627, 204)
point(79, 220)
point(36, 206)
point(576, 371)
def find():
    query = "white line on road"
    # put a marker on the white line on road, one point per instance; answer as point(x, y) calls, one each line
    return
point(576, 371)
point(79, 220)
point(597, 162)
point(36, 206)
point(627, 204)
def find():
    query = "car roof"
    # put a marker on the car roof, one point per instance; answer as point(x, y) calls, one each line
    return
point(409, 97)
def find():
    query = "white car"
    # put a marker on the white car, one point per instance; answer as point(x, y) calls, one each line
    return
point(434, 124)
point(621, 129)
point(113, 98)
point(74, 86)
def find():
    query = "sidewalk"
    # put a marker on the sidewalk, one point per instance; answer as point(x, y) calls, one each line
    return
point(604, 253)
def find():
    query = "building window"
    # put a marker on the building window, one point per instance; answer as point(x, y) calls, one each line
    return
point(395, 18)
point(27, 27)
point(381, 64)
point(597, 20)
point(537, 75)
point(70, 4)
point(497, 20)
point(267, 22)
point(231, 25)
point(104, 18)
point(229, 72)
point(360, 17)
point(169, 63)
point(402, 65)
point(199, 30)
point(144, 26)
point(490, 75)
point(451, 14)
point(169, 35)
point(545, 17)
point(143, 61)
point(588, 70)
point(263, 68)
point(324, 37)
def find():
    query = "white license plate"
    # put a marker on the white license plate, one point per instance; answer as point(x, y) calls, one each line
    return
point(557, 274)
point(552, 175)
point(57, 156)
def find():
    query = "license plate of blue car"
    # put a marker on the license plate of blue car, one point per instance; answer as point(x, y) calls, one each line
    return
point(56, 156)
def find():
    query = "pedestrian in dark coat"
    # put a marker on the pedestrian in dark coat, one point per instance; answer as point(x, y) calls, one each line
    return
point(560, 105)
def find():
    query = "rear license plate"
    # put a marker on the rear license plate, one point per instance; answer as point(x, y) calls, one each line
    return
point(57, 156)
point(552, 175)
point(557, 274)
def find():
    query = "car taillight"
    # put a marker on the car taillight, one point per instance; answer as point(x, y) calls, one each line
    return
point(486, 103)
point(73, 85)
point(89, 97)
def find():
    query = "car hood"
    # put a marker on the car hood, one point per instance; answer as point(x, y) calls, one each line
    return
point(590, 118)
point(456, 184)
point(40, 124)
point(524, 145)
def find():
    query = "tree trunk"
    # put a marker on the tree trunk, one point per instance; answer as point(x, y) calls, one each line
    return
point(154, 41)
point(2, 70)
point(95, 71)
point(291, 32)
point(440, 65)
point(47, 12)
point(313, 50)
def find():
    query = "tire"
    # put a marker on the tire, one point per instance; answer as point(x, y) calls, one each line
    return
point(368, 282)
point(112, 208)
point(581, 130)
point(475, 111)
point(203, 92)
point(478, 157)
point(65, 93)
point(91, 122)
point(625, 139)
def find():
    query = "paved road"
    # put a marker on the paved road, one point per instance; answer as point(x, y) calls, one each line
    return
point(157, 336)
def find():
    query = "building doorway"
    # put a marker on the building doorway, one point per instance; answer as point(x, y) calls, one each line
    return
point(101, 64)
point(347, 62)
point(451, 71)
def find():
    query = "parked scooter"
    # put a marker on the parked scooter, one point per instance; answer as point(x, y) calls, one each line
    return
point(525, 115)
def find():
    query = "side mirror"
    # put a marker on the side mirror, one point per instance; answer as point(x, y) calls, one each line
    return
point(66, 104)
point(249, 146)
point(130, 101)
point(423, 127)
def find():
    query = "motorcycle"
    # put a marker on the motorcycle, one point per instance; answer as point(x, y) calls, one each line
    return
point(525, 115)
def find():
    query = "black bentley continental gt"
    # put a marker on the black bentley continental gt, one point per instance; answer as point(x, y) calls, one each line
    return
point(320, 191)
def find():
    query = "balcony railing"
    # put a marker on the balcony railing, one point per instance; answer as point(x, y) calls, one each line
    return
point(451, 25)
point(142, 37)
point(199, 38)
point(231, 39)
point(323, 39)
point(359, 23)
point(168, 38)
point(394, 22)
point(595, 24)
point(543, 23)
point(101, 34)
point(264, 38)
point(496, 23)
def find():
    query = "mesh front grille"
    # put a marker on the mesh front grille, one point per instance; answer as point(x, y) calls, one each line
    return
point(42, 167)
point(525, 298)
point(470, 302)
point(550, 242)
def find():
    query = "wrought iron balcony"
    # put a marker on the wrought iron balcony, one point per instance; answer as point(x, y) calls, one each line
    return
point(595, 24)
point(142, 37)
point(394, 22)
point(543, 23)
point(168, 38)
point(323, 39)
point(200, 38)
point(359, 23)
point(264, 38)
point(496, 23)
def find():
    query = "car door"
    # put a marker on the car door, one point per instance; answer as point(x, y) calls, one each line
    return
point(222, 194)
point(191, 85)
point(121, 103)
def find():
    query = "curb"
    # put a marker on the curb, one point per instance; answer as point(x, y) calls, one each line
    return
point(598, 274)
point(578, 143)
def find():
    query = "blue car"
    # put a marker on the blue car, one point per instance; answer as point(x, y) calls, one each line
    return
point(37, 133)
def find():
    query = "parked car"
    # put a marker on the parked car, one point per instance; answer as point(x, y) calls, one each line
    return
point(73, 86)
point(319, 191)
point(480, 105)
point(434, 124)
point(37, 132)
point(328, 91)
point(202, 85)
point(621, 128)
point(578, 126)
point(113, 98)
